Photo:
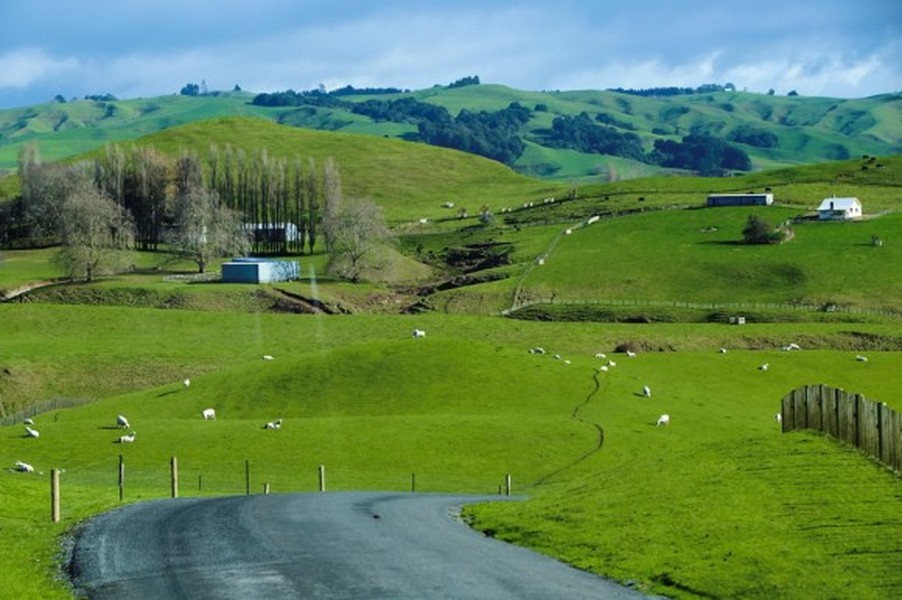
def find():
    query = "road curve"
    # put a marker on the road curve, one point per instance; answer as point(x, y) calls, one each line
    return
point(317, 545)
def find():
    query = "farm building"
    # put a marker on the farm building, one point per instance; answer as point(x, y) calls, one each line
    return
point(259, 270)
point(839, 209)
point(273, 232)
point(740, 199)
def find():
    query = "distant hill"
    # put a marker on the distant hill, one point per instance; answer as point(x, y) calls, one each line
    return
point(586, 135)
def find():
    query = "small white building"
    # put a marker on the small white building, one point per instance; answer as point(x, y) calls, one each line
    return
point(839, 209)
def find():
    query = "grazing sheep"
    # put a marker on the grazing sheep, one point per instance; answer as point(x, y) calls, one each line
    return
point(419, 333)
point(723, 350)
point(764, 367)
point(663, 420)
point(32, 433)
point(646, 391)
point(423, 221)
point(592, 219)
point(29, 421)
point(187, 382)
point(122, 422)
point(603, 368)
point(568, 231)
point(267, 357)
point(127, 439)
point(557, 357)
point(277, 424)
point(601, 355)
point(567, 361)
point(23, 467)
point(631, 354)
point(861, 358)
point(611, 363)
point(779, 417)
point(540, 262)
point(209, 414)
point(537, 350)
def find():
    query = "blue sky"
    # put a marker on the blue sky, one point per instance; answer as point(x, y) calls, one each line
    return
point(140, 48)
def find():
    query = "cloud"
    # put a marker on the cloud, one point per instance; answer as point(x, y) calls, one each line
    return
point(23, 67)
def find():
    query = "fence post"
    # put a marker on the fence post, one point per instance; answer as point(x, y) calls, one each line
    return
point(413, 482)
point(322, 478)
point(121, 478)
point(507, 485)
point(54, 495)
point(174, 476)
point(200, 482)
point(266, 488)
point(247, 477)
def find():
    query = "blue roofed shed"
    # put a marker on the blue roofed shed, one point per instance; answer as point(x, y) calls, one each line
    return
point(259, 270)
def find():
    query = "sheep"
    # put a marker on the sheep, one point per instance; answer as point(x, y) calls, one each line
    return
point(601, 355)
point(793, 346)
point(127, 439)
point(568, 231)
point(277, 424)
point(187, 383)
point(29, 421)
point(631, 354)
point(23, 467)
point(537, 350)
point(779, 417)
point(557, 357)
point(593, 219)
point(32, 433)
point(209, 414)
point(423, 221)
point(603, 368)
point(861, 358)
point(419, 333)
point(267, 357)
point(663, 420)
point(122, 422)
point(646, 391)
point(540, 261)
point(448, 205)
point(723, 350)
point(764, 367)
point(566, 361)
point(611, 363)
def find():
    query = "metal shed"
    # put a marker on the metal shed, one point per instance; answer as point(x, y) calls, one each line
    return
point(259, 270)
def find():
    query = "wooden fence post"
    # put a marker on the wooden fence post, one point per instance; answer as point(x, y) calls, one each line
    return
point(174, 476)
point(322, 478)
point(54, 495)
point(121, 478)
point(266, 488)
point(247, 476)
point(507, 485)
point(413, 482)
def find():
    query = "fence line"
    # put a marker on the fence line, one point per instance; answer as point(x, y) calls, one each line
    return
point(41, 406)
point(737, 306)
point(870, 426)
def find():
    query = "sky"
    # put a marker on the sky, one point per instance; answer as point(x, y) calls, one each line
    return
point(143, 48)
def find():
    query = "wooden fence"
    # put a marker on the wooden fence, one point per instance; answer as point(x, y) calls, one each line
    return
point(871, 426)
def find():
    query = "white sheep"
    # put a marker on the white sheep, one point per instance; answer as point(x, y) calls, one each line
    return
point(779, 417)
point(557, 357)
point(663, 420)
point(631, 354)
point(277, 424)
point(23, 467)
point(423, 221)
point(29, 421)
point(537, 350)
point(601, 355)
point(611, 363)
point(646, 391)
point(209, 414)
point(861, 358)
point(568, 231)
point(723, 350)
point(186, 382)
point(603, 368)
point(32, 433)
point(267, 357)
point(127, 439)
point(592, 219)
point(764, 367)
point(122, 422)
point(419, 333)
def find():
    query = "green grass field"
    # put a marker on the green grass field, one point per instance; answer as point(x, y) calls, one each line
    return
point(717, 504)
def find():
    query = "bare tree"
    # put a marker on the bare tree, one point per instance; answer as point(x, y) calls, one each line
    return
point(206, 229)
point(357, 230)
point(97, 234)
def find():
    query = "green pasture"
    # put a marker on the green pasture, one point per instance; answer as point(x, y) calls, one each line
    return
point(699, 505)
point(694, 256)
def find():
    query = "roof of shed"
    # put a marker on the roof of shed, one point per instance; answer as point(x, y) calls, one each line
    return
point(838, 203)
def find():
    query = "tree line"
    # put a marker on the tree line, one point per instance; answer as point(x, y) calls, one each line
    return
point(228, 203)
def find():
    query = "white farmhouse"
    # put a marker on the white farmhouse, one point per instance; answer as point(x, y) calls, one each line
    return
point(839, 209)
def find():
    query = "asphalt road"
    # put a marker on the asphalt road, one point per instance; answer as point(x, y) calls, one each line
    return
point(316, 545)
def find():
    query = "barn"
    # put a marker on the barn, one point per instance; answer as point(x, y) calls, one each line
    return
point(740, 199)
point(259, 270)
point(839, 209)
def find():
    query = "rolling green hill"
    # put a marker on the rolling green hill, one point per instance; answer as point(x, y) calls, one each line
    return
point(774, 131)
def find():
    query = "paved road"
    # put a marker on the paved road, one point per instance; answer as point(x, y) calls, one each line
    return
point(316, 545)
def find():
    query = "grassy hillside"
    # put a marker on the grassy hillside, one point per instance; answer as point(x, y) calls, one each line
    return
point(706, 499)
point(806, 130)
